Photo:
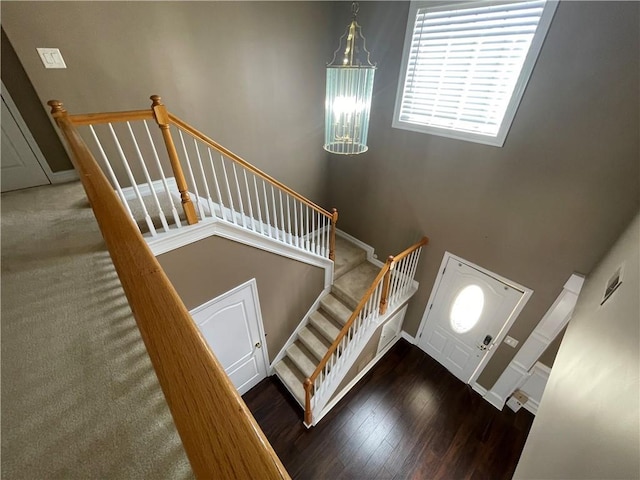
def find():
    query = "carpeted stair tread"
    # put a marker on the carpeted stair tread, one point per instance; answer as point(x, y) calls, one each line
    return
point(302, 358)
point(335, 308)
point(348, 256)
point(314, 341)
point(351, 286)
point(324, 325)
point(292, 378)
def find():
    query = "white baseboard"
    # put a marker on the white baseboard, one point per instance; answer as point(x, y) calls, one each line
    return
point(479, 388)
point(407, 337)
point(495, 400)
point(63, 176)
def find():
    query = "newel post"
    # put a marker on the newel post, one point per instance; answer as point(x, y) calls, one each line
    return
point(386, 281)
point(162, 119)
point(308, 415)
point(57, 110)
point(332, 235)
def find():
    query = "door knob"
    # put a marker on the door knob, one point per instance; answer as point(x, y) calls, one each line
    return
point(258, 345)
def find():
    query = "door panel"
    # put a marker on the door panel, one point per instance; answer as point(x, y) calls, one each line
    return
point(469, 309)
point(19, 166)
point(231, 327)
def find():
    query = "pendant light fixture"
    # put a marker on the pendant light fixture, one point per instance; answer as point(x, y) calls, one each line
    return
point(349, 91)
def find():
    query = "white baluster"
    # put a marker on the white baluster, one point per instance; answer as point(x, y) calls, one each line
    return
point(323, 220)
point(395, 278)
point(172, 201)
point(290, 232)
point(266, 208)
point(147, 218)
point(275, 212)
point(217, 185)
point(407, 274)
point(301, 226)
point(235, 176)
point(226, 181)
point(112, 175)
point(317, 225)
point(193, 179)
point(294, 232)
point(145, 171)
point(255, 188)
point(310, 243)
point(284, 232)
point(246, 185)
point(204, 179)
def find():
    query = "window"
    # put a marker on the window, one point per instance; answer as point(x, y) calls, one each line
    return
point(465, 66)
point(466, 309)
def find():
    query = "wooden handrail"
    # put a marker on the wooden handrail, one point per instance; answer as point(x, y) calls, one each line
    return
point(423, 241)
point(228, 153)
point(383, 275)
point(219, 434)
point(110, 117)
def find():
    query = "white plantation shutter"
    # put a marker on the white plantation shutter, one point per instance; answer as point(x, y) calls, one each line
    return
point(464, 62)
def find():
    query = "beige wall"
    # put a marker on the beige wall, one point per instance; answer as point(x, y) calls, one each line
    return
point(248, 74)
point(587, 426)
point(208, 268)
point(547, 204)
point(24, 96)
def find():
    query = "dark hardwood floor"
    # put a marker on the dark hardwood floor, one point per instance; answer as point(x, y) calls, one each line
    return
point(408, 418)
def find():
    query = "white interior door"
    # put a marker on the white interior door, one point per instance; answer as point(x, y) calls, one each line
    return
point(19, 165)
point(465, 318)
point(232, 326)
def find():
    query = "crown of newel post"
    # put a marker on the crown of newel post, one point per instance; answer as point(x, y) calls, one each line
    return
point(57, 109)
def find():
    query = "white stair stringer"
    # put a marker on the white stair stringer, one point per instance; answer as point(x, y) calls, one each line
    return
point(320, 405)
point(296, 333)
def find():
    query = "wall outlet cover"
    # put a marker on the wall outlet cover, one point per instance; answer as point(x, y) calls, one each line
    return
point(51, 58)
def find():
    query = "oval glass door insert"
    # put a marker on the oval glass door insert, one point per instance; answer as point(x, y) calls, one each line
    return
point(467, 308)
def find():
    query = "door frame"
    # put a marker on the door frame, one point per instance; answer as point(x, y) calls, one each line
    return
point(252, 285)
point(26, 133)
point(526, 295)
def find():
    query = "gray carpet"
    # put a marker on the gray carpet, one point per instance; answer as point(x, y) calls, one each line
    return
point(79, 398)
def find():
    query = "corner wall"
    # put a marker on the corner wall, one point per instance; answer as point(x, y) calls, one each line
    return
point(588, 423)
point(210, 267)
point(248, 74)
point(22, 93)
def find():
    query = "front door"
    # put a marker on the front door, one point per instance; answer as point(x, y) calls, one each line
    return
point(19, 167)
point(465, 317)
point(232, 326)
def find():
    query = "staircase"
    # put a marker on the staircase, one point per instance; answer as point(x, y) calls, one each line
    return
point(353, 275)
point(212, 191)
